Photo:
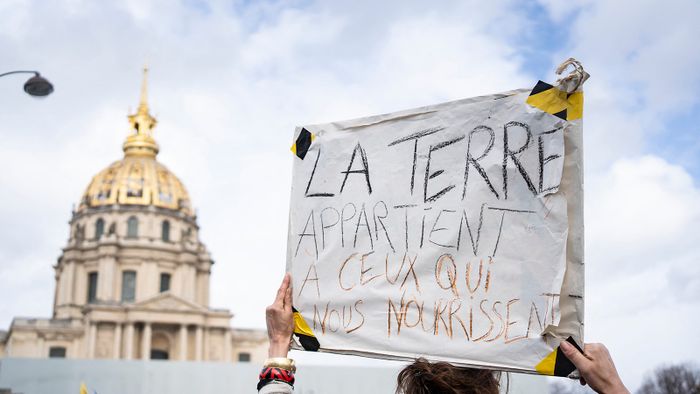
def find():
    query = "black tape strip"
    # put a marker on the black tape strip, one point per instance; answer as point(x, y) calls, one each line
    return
point(540, 87)
point(303, 143)
point(310, 344)
point(561, 114)
point(562, 365)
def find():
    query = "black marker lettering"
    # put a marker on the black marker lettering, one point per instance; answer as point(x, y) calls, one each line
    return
point(364, 170)
point(344, 219)
point(507, 152)
point(465, 219)
point(378, 218)
point(365, 225)
point(435, 230)
point(308, 185)
point(324, 226)
point(544, 160)
point(475, 161)
point(304, 233)
point(430, 175)
point(415, 137)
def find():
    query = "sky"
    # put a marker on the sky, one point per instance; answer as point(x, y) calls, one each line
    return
point(230, 80)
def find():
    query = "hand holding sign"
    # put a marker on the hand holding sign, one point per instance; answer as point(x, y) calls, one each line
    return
point(280, 323)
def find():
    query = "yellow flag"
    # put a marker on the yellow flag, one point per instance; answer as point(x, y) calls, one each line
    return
point(83, 388)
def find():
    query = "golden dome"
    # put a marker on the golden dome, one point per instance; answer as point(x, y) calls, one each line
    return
point(138, 178)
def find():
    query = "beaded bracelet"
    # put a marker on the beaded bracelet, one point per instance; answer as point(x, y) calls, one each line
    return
point(274, 374)
point(281, 362)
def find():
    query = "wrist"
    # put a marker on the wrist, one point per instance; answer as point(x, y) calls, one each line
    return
point(278, 349)
point(617, 388)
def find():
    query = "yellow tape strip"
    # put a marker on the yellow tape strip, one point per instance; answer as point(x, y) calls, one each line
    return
point(300, 326)
point(546, 366)
point(556, 363)
point(306, 337)
point(556, 102)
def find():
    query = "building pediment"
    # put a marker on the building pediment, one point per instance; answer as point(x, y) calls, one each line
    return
point(168, 302)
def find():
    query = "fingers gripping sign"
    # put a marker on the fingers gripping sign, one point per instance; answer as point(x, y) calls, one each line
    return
point(596, 367)
point(280, 323)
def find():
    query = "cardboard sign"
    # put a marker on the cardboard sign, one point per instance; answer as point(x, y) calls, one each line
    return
point(452, 232)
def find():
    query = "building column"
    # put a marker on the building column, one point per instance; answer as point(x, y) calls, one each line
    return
point(105, 279)
point(85, 343)
point(129, 348)
point(75, 351)
point(146, 342)
point(116, 353)
point(69, 272)
point(198, 344)
point(183, 342)
point(92, 340)
point(205, 357)
point(227, 345)
point(41, 349)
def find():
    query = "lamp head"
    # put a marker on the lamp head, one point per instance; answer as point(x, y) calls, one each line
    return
point(38, 86)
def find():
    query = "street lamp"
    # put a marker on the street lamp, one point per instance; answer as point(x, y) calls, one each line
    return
point(37, 85)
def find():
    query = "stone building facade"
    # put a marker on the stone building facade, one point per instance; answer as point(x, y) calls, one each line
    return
point(133, 280)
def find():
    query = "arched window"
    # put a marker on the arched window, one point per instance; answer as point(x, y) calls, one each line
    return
point(165, 231)
point(128, 286)
point(99, 228)
point(160, 346)
point(132, 227)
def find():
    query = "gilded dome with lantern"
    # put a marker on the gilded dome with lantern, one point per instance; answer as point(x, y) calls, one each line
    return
point(138, 179)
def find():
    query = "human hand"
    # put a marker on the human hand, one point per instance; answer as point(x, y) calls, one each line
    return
point(280, 321)
point(596, 367)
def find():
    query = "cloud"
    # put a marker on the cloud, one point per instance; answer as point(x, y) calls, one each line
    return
point(229, 81)
point(641, 198)
point(642, 201)
point(643, 280)
point(228, 85)
point(641, 76)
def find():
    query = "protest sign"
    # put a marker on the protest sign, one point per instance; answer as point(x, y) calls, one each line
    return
point(452, 232)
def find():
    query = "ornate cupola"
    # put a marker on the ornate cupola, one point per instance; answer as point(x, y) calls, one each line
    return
point(138, 178)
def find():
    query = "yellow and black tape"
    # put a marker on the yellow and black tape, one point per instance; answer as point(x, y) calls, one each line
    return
point(556, 363)
point(567, 106)
point(306, 337)
point(303, 143)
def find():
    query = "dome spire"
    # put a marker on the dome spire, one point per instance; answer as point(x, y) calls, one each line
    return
point(144, 89)
point(141, 142)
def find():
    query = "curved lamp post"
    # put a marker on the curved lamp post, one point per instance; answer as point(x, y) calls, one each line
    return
point(37, 85)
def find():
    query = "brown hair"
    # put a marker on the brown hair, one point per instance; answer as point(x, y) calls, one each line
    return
point(423, 377)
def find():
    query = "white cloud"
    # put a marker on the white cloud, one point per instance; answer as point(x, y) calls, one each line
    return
point(229, 83)
point(643, 280)
point(641, 202)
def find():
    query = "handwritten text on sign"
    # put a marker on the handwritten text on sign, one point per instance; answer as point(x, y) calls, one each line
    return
point(437, 231)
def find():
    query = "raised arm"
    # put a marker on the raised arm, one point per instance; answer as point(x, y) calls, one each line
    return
point(277, 376)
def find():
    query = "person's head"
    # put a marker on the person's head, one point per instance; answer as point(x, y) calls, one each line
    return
point(423, 377)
